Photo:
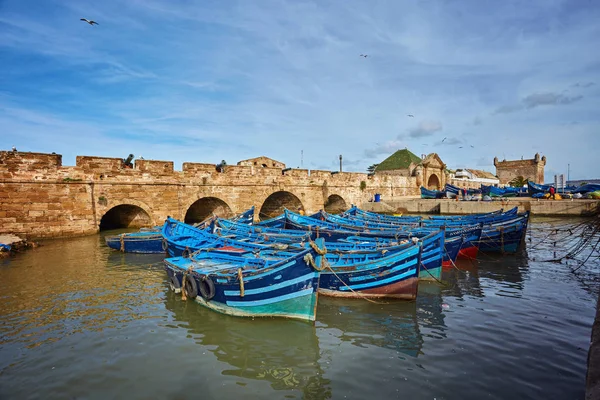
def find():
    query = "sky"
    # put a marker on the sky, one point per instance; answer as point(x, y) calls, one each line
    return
point(206, 80)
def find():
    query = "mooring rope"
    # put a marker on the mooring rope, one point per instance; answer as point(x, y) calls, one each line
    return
point(308, 258)
point(241, 278)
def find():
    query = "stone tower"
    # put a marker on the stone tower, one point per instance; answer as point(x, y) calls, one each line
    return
point(532, 169)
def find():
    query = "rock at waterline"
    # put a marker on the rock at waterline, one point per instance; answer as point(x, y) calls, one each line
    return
point(11, 243)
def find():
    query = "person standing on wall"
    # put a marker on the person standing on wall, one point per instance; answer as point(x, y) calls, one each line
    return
point(552, 192)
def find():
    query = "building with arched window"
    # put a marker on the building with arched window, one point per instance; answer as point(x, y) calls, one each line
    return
point(429, 170)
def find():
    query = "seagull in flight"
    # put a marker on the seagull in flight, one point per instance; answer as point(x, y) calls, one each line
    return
point(460, 147)
point(410, 115)
point(472, 146)
point(443, 140)
point(364, 55)
point(91, 22)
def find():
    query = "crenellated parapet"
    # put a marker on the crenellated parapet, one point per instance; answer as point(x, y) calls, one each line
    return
point(39, 197)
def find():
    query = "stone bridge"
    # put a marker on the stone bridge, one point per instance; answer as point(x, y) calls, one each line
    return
point(39, 197)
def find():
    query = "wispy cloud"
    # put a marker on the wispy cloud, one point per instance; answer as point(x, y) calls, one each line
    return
point(539, 99)
point(386, 148)
point(205, 81)
point(425, 128)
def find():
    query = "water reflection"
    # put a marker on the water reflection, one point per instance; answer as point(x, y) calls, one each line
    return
point(73, 286)
point(430, 312)
point(283, 352)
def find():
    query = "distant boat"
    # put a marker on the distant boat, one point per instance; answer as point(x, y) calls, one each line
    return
point(430, 194)
point(451, 191)
point(533, 188)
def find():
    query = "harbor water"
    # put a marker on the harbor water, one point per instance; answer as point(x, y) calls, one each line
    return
point(81, 321)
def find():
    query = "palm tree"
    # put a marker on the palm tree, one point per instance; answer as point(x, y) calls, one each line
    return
point(519, 181)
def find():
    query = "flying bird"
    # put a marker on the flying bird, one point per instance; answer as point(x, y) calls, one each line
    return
point(91, 22)
point(460, 147)
point(410, 115)
point(472, 146)
point(443, 140)
point(364, 55)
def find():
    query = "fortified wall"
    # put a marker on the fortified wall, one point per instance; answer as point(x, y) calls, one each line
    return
point(39, 197)
point(532, 169)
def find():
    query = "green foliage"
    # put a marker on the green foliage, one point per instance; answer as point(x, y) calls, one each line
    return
point(371, 168)
point(72, 180)
point(519, 181)
point(363, 185)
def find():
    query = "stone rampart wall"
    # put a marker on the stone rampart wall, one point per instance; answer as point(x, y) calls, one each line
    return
point(41, 198)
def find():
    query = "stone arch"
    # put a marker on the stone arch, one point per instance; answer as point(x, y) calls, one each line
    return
point(277, 202)
point(203, 208)
point(132, 214)
point(335, 204)
point(433, 183)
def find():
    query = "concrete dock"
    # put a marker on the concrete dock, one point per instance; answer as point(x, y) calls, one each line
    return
point(540, 207)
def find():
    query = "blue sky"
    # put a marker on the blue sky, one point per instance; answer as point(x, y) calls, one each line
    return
point(202, 81)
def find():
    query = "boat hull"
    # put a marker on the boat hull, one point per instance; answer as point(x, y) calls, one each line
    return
point(136, 243)
point(288, 290)
point(507, 240)
point(381, 278)
point(468, 252)
point(405, 290)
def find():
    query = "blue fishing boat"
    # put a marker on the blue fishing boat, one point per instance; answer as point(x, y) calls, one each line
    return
point(136, 242)
point(335, 231)
point(588, 188)
point(533, 188)
point(371, 216)
point(251, 287)
point(451, 191)
point(505, 237)
point(180, 239)
point(188, 241)
point(431, 194)
point(393, 274)
point(150, 240)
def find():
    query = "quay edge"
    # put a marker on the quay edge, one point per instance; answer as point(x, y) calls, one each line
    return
point(592, 379)
point(539, 207)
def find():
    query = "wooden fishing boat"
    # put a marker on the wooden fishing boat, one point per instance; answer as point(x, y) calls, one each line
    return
point(533, 188)
point(451, 191)
point(504, 237)
point(251, 287)
point(188, 241)
point(430, 194)
point(379, 274)
point(334, 231)
point(136, 242)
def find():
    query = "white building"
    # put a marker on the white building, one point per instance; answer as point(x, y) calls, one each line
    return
point(476, 175)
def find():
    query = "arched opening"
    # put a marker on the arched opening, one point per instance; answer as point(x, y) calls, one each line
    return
point(204, 208)
point(335, 204)
point(433, 183)
point(277, 202)
point(125, 216)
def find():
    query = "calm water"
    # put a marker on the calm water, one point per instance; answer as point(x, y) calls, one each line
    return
point(78, 320)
